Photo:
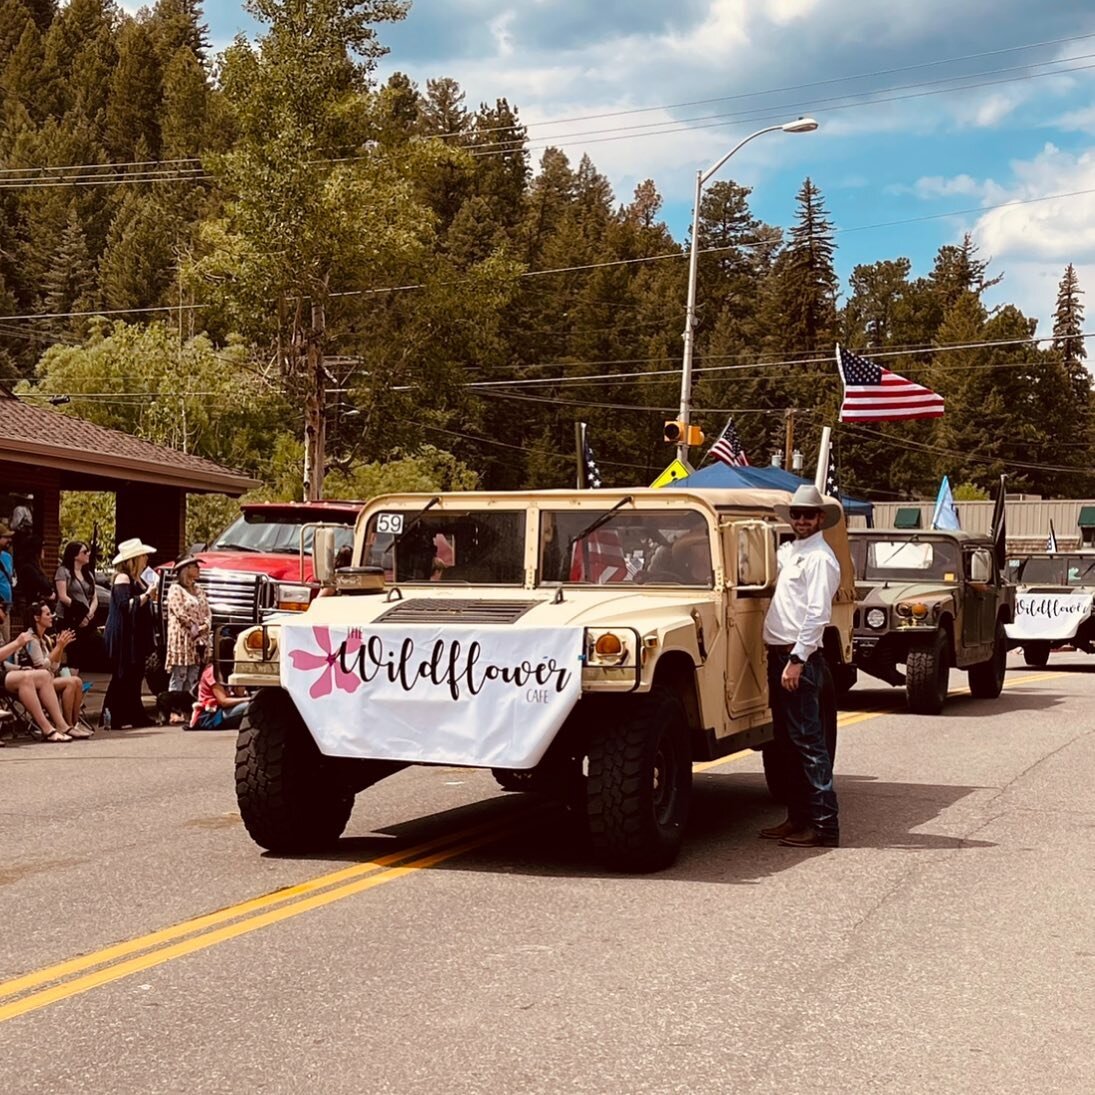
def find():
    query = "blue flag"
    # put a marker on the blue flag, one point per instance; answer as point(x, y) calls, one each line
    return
point(945, 516)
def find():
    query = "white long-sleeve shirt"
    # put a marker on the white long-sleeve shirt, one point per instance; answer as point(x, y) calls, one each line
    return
point(802, 605)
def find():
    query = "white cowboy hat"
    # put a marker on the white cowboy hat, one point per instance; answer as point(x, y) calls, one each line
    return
point(809, 497)
point(130, 549)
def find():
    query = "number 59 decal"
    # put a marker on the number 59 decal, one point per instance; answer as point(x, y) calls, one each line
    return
point(389, 522)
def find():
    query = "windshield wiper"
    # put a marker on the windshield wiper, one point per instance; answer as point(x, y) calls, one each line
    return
point(234, 547)
point(434, 501)
point(592, 527)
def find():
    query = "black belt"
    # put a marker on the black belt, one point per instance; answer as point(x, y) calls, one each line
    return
point(780, 648)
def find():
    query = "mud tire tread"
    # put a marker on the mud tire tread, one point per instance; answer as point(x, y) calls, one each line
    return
point(287, 802)
point(624, 831)
point(922, 672)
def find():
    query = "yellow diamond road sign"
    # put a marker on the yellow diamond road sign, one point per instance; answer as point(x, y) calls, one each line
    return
point(676, 471)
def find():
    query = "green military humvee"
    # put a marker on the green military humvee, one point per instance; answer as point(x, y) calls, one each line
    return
point(929, 601)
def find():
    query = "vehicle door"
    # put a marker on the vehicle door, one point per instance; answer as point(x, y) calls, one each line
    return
point(979, 595)
point(750, 553)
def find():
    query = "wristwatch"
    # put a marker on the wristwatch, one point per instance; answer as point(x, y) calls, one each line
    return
point(795, 659)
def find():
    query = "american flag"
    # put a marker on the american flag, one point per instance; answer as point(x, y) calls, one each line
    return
point(599, 558)
point(832, 482)
point(592, 472)
point(874, 393)
point(728, 447)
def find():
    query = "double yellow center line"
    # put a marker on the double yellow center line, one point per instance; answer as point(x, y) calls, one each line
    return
point(51, 984)
point(101, 967)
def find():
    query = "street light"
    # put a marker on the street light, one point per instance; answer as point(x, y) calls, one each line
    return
point(799, 125)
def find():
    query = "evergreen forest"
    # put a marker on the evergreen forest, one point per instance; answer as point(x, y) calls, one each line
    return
point(273, 258)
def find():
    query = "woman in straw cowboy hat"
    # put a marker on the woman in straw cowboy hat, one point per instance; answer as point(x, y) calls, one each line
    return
point(128, 635)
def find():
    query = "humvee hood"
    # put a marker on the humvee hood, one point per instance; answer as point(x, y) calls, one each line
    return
point(891, 593)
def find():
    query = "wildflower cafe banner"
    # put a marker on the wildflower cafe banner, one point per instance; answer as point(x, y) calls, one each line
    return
point(1049, 615)
point(480, 696)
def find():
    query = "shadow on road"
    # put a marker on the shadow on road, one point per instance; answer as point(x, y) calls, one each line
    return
point(721, 847)
point(892, 701)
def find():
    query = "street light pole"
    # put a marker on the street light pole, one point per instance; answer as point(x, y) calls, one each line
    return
point(799, 125)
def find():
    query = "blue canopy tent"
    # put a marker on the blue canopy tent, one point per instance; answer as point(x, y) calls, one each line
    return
point(721, 476)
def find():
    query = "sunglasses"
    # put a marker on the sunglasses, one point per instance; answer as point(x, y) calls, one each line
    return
point(799, 514)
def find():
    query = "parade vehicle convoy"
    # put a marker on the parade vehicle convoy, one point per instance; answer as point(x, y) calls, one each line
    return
point(930, 601)
point(1054, 605)
point(591, 645)
point(259, 565)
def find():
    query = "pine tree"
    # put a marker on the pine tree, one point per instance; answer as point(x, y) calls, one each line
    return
point(502, 176)
point(398, 110)
point(69, 283)
point(443, 113)
point(185, 113)
point(21, 78)
point(137, 267)
point(1068, 319)
point(42, 12)
point(177, 24)
point(132, 112)
point(803, 319)
point(14, 20)
point(958, 270)
point(1069, 347)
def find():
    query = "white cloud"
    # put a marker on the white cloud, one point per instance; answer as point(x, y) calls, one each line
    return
point(1082, 120)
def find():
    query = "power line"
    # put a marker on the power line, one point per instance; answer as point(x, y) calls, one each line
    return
point(777, 90)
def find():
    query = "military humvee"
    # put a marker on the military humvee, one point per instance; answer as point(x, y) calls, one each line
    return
point(930, 601)
point(1054, 605)
point(591, 644)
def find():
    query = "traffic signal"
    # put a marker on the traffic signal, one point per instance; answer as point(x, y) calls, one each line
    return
point(682, 433)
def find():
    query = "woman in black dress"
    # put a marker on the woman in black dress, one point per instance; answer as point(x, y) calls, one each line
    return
point(129, 636)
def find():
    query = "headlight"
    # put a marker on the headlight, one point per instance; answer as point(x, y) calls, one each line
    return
point(608, 648)
point(876, 618)
point(293, 598)
point(919, 610)
point(253, 642)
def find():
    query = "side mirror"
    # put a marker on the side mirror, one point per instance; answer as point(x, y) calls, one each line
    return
point(195, 548)
point(323, 555)
point(756, 555)
point(981, 567)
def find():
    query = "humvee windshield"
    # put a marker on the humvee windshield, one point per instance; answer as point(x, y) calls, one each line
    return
point(1055, 570)
point(884, 560)
point(485, 547)
point(652, 547)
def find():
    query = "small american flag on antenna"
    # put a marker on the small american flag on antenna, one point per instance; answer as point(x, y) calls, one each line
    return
point(873, 393)
point(728, 448)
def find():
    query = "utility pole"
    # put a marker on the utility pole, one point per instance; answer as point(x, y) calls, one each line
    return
point(788, 437)
point(315, 405)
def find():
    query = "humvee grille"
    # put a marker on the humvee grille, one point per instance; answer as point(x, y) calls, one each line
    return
point(433, 610)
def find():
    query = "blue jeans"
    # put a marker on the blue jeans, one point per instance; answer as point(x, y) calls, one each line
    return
point(800, 743)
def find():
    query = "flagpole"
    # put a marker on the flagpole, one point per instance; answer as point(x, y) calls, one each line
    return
point(580, 449)
point(821, 476)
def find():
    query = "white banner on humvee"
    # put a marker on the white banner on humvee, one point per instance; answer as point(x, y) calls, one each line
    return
point(1049, 616)
point(482, 696)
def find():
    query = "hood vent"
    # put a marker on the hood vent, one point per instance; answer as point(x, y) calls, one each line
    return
point(438, 610)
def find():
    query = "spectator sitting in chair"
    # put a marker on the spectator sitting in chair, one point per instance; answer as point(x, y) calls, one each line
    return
point(33, 688)
point(45, 652)
point(218, 707)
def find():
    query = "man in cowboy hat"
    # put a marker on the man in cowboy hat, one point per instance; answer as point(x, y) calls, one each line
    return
point(809, 576)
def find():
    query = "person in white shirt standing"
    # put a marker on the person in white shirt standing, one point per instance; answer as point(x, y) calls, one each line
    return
point(802, 605)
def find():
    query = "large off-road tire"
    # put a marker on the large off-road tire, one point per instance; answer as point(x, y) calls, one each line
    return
point(844, 679)
point(289, 801)
point(1036, 653)
point(640, 782)
point(927, 671)
point(155, 674)
point(775, 774)
point(987, 678)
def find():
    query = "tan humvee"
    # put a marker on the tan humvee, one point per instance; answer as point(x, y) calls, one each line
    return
point(589, 643)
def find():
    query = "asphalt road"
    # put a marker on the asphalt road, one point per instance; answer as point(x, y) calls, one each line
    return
point(460, 940)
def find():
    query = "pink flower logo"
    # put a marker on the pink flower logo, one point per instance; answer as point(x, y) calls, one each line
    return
point(328, 662)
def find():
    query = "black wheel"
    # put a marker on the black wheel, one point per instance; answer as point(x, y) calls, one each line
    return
point(987, 678)
point(158, 678)
point(640, 782)
point(516, 779)
point(927, 672)
point(288, 801)
point(1036, 654)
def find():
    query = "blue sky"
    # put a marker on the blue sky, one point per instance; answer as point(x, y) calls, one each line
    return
point(1027, 133)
